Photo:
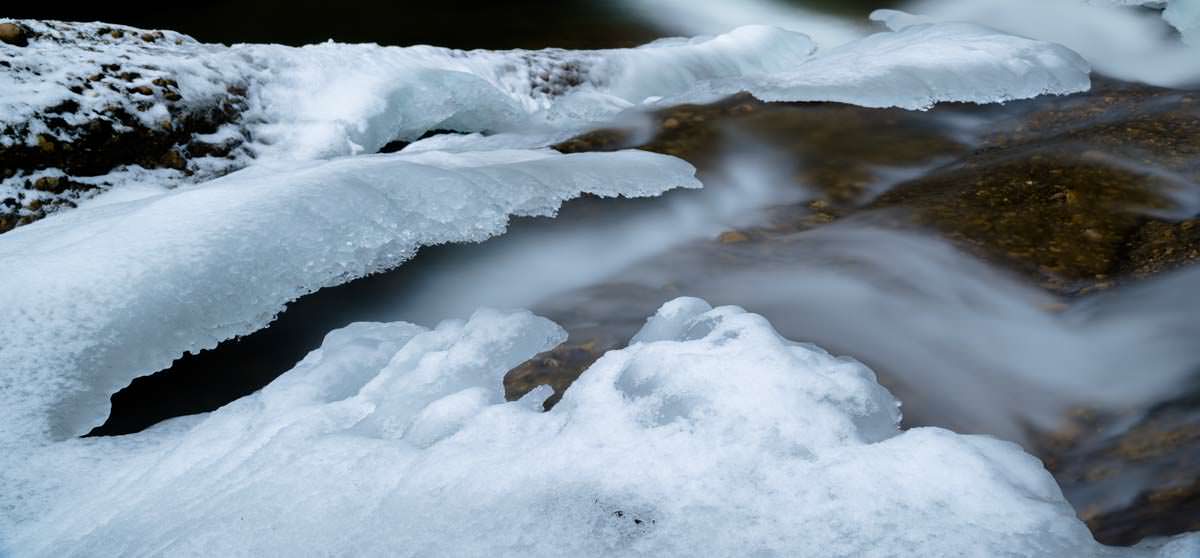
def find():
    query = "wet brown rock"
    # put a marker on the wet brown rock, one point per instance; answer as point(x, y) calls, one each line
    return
point(1060, 190)
point(46, 144)
point(14, 34)
point(1074, 192)
point(1163, 246)
point(173, 160)
point(1095, 456)
point(557, 368)
point(838, 149)
point(1068, 194)
point(50, 184)
point(733, 237)
point(598, 140)
point(1063, 189)
point(1018, 209)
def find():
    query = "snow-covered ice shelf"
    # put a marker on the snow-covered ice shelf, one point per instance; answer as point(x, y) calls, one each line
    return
point(710, 434)
point(209, 109)
point(95, 297)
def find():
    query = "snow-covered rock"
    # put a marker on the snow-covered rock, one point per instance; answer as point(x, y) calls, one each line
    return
point(336, 99)
point(196, 110)
point(93, 298)
point(709, 435)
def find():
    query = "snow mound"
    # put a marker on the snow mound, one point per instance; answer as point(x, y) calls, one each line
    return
point(709, 434)
point(98, 296)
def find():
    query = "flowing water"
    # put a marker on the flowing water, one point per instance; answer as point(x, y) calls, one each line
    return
point(804, 219)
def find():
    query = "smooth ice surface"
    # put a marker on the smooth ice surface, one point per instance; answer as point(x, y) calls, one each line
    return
point(93, 298)
point(709, 434)
point(918, 66)
point(1118, 40)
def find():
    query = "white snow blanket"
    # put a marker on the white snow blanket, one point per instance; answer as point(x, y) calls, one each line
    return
point(709, 435)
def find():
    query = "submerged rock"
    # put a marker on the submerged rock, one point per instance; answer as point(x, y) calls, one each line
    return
point(843, 151)
point(1130, 477)
point(1076, 194)
point(1077, 191)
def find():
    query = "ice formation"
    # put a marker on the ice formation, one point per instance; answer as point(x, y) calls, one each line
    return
point(389, 93)
point(262, 103)
point(1116, 39)
point(332, 99)
point(709, 434)
point(119, 289)
point(95, 297)
point(918, 66)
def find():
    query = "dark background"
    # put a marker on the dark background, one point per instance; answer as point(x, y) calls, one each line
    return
point(451, 23)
